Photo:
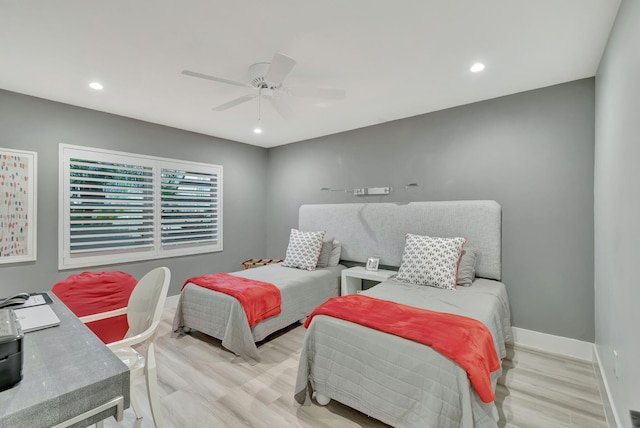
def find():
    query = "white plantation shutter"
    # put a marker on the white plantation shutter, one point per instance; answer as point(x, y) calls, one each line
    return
point(119, 207)
point(111, 206)
point(190, 209)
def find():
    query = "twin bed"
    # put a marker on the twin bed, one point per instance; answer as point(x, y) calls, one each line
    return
point(223, 317)
point(398, 381)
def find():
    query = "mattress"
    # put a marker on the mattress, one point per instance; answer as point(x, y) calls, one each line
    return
point(222, 316)
point(400, 382)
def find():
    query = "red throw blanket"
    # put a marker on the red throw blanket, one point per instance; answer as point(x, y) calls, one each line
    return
point(91, 293)
point(260, 300)
point(466, 341)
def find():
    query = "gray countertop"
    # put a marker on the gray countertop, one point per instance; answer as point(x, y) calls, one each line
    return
point(66, 371)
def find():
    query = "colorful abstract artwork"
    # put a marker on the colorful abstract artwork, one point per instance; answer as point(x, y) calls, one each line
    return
point(17, 206)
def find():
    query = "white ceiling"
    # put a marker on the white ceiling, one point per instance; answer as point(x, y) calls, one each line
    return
point(395, 59)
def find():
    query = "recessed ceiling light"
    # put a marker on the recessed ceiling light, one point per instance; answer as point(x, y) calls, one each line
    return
point(96, 85)
point(477, 67)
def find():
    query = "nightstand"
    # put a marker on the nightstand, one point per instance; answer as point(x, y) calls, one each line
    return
point(352, 278)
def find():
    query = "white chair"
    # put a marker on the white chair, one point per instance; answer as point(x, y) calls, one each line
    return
point(143, 311)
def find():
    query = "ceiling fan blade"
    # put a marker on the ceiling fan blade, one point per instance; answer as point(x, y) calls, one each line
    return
point(233, 103)
point(324, 93)
point(214, 78)
point(281, 107)
point(280, 66)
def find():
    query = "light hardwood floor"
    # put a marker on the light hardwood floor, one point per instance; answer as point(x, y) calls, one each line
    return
point(203, 385)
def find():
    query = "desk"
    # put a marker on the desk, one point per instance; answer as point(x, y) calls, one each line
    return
point(66, 371)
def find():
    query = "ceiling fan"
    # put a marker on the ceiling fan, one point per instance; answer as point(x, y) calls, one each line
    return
point(268, 78)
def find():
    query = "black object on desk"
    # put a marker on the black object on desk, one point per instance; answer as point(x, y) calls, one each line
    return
point(10, 349)
point(16, 299)
point(25, 300)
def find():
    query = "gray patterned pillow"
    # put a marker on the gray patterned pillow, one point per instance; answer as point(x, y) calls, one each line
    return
point(430, 261)
point(303, 250)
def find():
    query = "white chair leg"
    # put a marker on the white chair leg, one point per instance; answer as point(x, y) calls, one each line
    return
point(152, 387)
point(100, 424)
point(136, 407)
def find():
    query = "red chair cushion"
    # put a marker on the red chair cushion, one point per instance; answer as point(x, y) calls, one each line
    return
point(91, 293)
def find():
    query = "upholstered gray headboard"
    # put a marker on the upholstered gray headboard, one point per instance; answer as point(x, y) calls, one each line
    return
point(378, 229)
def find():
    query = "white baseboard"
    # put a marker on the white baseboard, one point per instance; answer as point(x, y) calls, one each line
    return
point(576, 349)
point(553, 344)
point(613, 420)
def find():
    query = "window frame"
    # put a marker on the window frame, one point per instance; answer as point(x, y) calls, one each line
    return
point(158, 250)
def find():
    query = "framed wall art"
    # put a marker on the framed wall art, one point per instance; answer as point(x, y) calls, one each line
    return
point(18, 199)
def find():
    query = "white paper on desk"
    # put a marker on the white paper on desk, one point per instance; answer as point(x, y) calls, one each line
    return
point(36, 318)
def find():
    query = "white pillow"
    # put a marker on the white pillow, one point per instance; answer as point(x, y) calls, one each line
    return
point(430, 261)
point(303, 250)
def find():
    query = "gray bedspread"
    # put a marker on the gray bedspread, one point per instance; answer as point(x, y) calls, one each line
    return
point(400, 382)
point(222, 316)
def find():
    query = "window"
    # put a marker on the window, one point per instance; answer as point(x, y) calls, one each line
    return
point(120, 207)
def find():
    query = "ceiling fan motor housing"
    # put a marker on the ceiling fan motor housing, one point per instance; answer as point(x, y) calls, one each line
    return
point(257, 72)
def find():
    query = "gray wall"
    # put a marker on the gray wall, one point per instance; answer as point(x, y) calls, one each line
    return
point(617, 208)
point(39, 125)
point(532, 152)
